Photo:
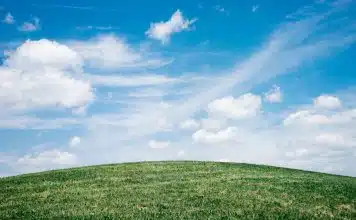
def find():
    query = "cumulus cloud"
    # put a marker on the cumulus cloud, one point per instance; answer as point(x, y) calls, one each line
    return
point(163, 30)
point(9, 19)
point(31, 79)
point(74, 141)
point(30, 26)
point(315, 116)
point(207, 137)
point(327, 101)
point(274, 95)
point(245, 106)
point(34, 54)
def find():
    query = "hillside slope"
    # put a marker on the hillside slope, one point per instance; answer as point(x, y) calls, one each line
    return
point(178, 190)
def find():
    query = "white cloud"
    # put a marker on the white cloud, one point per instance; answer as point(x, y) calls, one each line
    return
point(326, 110)
point(255, 8)
point(35, 54)
point(206, 137)
point(163, 30)
point(112, 52)
point(9, 19)
point(42, 88)
point(327, 102)
point(32, 79)
point(306, 117)
point(42, 160)
point(29, 26)
point(158, 144)
point(274, 95)
point(74, 141)
point(245, 106)
point(190, 124)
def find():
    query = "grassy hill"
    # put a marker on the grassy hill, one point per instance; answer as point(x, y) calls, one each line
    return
point(178, 190)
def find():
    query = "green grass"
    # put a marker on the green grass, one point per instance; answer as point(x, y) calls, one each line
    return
point(178, 190)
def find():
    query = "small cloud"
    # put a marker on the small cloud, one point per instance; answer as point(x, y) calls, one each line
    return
point(74, 141)
point(274, 95)
point(207, 137)
point(163, 30)
point(181, 153)
point(189, 125)
point(327, 102)
point(220, 9)
point(245, 106)
point(9, 19)
point(255, 8)
point(158, 144)
point(30, 26)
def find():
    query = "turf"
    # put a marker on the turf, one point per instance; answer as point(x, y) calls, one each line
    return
point(178, 190)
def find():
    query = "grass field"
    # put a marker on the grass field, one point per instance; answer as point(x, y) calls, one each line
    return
point(178, 190)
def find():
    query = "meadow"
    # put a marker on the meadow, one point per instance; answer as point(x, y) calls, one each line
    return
point(178, 190)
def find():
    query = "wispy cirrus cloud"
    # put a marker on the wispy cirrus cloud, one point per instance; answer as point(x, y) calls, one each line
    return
point(75, 7)
point(112, 52)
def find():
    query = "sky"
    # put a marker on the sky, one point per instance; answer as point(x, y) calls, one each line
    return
point(96, 82)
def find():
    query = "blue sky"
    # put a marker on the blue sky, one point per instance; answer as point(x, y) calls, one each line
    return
point(91, 82)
